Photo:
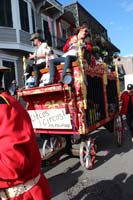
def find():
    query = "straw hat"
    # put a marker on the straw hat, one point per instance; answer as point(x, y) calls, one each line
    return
point(36, 36)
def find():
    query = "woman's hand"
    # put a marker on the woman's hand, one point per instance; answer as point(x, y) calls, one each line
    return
point(73, 40)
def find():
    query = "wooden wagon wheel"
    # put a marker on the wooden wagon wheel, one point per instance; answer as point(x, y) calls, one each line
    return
point(119, 130)
point(51, 144)
point(87, 153)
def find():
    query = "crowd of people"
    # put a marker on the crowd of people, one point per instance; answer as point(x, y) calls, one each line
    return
point(45, 57)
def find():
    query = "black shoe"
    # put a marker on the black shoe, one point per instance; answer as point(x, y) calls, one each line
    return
point(36, 84)
point(49, 83)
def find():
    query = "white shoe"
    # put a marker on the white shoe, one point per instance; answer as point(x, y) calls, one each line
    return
point(26, 73)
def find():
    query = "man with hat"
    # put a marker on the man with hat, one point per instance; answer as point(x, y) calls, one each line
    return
point(39, 57)
point(127, 107)
point(20, 160)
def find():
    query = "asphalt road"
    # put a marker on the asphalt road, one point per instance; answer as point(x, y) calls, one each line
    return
point(110, 179)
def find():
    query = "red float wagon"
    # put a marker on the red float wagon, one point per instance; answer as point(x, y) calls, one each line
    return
point(88, 99)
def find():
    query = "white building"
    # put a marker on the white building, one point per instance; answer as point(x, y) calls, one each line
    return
point(127, 62)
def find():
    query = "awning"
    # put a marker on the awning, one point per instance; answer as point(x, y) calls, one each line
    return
point(69, 17)
point(50, 8)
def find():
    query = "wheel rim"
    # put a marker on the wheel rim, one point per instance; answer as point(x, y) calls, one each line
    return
point(51, 144)
point(119, 130)
point(87, 154)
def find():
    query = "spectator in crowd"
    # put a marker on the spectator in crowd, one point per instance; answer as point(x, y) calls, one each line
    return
point(20, 160)
point(127, 107)
point(13, 88)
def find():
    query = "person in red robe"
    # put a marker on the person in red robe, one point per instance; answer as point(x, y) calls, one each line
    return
point(126, 99)
point(20, 161)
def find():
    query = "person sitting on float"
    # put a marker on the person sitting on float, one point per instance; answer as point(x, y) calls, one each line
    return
point(70, 50)
point(40, 56)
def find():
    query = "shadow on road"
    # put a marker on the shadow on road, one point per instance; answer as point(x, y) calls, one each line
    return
point(67, 182)
point(107, 148)
point(119, 188)
point(63, 181)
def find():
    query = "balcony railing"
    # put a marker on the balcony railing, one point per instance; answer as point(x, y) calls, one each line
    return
point(8, 35)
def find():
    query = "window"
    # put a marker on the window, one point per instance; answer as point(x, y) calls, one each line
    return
point(5, 13)
point(47, 33)
point(9, 77)
point(24, 18)
point(66, 33)
point(33, 20)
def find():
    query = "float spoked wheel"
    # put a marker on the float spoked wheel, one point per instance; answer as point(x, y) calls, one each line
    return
point(51, 144)
point(119, 130)
point(87, 153)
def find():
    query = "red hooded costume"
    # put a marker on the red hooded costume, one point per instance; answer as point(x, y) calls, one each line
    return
point(125, 100)
point(20, 159)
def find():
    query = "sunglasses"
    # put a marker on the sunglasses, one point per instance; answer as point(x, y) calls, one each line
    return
point(86, 31)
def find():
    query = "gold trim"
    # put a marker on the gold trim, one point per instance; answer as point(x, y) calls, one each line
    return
point(5, 99)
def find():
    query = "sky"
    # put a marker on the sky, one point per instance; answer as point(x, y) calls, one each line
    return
point(116, 16)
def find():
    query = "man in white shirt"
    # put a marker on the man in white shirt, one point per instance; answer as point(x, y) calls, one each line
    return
point(39, 57)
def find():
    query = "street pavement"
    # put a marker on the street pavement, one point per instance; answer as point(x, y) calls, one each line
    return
point(110, 179)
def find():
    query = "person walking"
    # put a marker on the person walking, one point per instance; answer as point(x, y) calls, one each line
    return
point(20, 160)
point(126, 99)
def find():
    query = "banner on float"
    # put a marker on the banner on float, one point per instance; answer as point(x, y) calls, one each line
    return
point(50, 119)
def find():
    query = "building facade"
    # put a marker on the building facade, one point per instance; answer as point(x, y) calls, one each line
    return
point(20, 18)
point(127, 62)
